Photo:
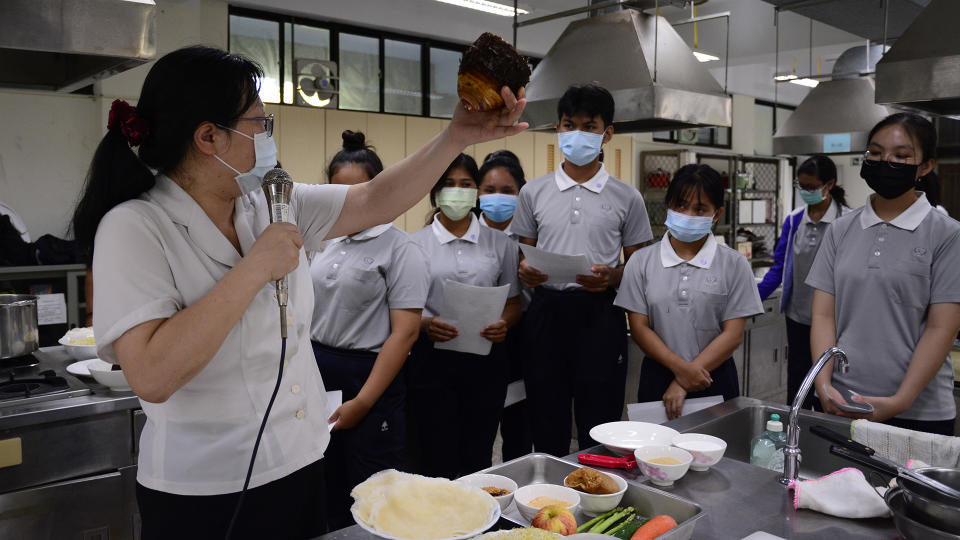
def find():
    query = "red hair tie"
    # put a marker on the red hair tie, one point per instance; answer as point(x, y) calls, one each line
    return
point(124, 117)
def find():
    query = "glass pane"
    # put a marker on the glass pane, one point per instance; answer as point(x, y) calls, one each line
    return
point(402, 72)
point(287, 63)
point(359, 73)
point(443, 82)
point(309, 43)
point(661, 135)
point(762, 129)
point(723, 136)
point(259, 41)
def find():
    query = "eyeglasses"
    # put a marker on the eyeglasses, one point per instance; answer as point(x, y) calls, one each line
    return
point(798, 185)
point(267, 122)
point(876, 161)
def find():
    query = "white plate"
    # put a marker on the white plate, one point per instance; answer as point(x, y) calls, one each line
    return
point(622, 438)
point(81, 368)
point(494, 517)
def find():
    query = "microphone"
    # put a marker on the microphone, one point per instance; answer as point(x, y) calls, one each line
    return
point(277, 186)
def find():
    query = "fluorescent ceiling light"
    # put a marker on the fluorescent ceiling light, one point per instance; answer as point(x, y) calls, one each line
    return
point(486, 6)
point(811, 83)
point(704, 57)
point(785, 77)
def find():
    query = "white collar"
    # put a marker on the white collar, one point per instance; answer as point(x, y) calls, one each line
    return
point(445, 237)
point(831, 214)
point(594, 184)
point(908, 220)
point(703, 259)
point(506, 231)
point(367, 234)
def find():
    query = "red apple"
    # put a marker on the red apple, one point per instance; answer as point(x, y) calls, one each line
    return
point(555, 519)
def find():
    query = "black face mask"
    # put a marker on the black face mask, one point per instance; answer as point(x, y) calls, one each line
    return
point(887, 181)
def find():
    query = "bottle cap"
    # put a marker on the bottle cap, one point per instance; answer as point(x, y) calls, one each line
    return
point(774, 424)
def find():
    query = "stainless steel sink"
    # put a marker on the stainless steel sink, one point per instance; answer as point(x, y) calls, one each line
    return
point(739, 420)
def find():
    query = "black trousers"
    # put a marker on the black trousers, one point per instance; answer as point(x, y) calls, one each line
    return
point(655, 378)
point(515, 423)
point(938, 427)
point(290, 507)
point(799, 360)
point(375, 444)
point(454, 402)
point(576, 353)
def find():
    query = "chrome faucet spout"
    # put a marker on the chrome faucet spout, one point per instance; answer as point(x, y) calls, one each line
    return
point(791, 454)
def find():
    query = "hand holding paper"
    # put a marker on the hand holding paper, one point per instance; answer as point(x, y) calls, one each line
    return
point(559, 268)
point(471, 310)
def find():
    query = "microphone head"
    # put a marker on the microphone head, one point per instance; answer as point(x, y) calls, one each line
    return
point(277, 176)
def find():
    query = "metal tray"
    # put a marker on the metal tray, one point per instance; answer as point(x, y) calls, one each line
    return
point(547, 469)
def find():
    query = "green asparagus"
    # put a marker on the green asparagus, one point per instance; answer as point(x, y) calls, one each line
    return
point(597, 519)
point(607, 523)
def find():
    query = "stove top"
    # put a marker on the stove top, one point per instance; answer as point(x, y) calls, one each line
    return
point(25, 379)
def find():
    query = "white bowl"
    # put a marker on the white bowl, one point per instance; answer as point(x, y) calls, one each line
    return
point(660, 474)
point(705, 449)
point(78, 352)
point(622, 438)
point(114, 380)
point(528, 493)
point(482, 480)
point(593, 505)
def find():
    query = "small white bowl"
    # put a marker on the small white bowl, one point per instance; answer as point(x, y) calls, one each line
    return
point(114, 380)
point(482, 480)
point(623, 437)
point(594, 505)
point(528, 493)
point(78, 352)
point(705, 449)
point(658, 473)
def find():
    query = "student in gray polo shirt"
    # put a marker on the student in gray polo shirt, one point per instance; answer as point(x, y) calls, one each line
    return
point(369, 288)
point(688, 298)
point(888, 289)
point(576, 338)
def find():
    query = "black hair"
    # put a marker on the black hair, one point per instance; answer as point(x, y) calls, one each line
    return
point(183, 89)
point(918, 128)
point(504, 159)
point(464, 161)
point(591, 99)
point(690, 180)
point(824, 169)
point(355, 150)
point(930, 185)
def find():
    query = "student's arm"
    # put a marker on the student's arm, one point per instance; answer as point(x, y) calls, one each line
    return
point(529, 276)
point(823, 335)
point(605, 277)
point(722, 346)
point(943, 323)
point(689, 376)
point(497, 332)
point(774, 276)
point(404, 327)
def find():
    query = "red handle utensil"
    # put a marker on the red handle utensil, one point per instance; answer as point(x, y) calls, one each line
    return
point(610, 462)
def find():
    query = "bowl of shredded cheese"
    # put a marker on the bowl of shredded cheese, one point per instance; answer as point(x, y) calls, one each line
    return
point(79, 343)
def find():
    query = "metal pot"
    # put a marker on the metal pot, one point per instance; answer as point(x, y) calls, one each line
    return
point(18, 325)
point(928, 505)
point(910, 528)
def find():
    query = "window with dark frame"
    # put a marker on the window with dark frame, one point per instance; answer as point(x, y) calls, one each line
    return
point(379, 71)
point(712, 136)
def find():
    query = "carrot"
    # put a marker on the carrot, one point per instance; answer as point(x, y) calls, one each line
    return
point(654, 528)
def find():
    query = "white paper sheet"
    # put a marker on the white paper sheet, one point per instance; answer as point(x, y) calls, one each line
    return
point(51, 309)
point(470, 309)
point(334, 401)
point(516, 392)
point(655, 413)
point(558, 268)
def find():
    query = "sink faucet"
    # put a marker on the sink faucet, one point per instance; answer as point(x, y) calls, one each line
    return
point(791, 454)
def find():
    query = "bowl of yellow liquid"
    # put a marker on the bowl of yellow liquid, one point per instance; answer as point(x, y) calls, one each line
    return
point(663, 465)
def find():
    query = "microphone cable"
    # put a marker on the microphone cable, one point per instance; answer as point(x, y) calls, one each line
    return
point(256, 445)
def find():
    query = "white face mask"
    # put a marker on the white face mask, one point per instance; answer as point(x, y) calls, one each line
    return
point(266, 158)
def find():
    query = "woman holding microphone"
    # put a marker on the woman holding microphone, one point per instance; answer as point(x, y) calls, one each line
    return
point(184, 263)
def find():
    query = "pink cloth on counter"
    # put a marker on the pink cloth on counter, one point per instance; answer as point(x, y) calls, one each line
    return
point(844, 493)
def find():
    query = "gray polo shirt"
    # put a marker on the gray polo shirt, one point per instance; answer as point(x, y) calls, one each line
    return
point(884, 276)
point(687, 302)
point(483, 257)
point(806, 242)
point(358, 279)
point(596, 218)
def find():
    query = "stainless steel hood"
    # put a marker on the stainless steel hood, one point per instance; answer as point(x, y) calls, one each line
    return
point(922, 70)
point(617, 51)
point(836, 117)
point(63, 45)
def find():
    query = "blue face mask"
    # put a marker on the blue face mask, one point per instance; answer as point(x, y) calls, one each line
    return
point(498, 207)
point(811, 197)
point(580, 147)
point(688, 228)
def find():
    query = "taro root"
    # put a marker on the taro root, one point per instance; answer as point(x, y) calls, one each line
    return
point(487, 66)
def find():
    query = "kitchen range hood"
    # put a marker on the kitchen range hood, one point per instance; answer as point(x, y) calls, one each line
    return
point(617, 51)
point(64, 45)
point(837, 115)
point(922, 70)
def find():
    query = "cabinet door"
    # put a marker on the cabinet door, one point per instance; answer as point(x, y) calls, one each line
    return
point(522, 145)
point(546, 154)
point(766, 361)
point(418, 132)
point(301, 143)
point(387, 134)
point(617, 157)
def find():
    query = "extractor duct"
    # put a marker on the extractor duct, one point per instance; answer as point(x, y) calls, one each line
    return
point(655, 80)
point(64, 45)
point(922, 69)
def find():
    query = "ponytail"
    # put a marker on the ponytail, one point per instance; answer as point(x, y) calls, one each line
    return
point(838, 194)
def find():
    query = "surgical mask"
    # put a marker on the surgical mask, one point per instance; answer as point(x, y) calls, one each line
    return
point(889, 182)
point(498, 207)
point(580, 147)
point(688, 228)
point(456, 203)
point(812, 197)
point(266, 158)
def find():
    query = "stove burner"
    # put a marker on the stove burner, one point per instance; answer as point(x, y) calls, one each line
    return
point(19, 362)
point(45, 382)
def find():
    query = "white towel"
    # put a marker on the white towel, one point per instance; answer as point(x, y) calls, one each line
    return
point(844, 493)
point(901, 445)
